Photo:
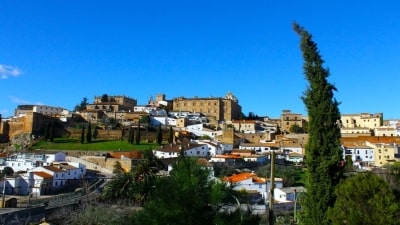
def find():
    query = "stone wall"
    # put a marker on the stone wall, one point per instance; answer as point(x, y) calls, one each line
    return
point(102, 134)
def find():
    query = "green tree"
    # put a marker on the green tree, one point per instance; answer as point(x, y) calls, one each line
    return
point(159, 134)
point(83, 134)
point(133, 186)
point(365, 199)
point(47, 131)
point(295, 128)
point(104, 98)
point(130, 135)
point(170, 135)
point(188, 196)
point(89, 133)
point(7, 171)
point(323, 149)
point(82, 105)
point(137, 140)
point(349, 164)
point(51, 131)
point(95, 132)
point(145, 120)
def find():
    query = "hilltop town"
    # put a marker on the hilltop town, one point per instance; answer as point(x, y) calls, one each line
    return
point(213, 129)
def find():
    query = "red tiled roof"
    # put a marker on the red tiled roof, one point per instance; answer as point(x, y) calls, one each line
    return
point(244, 176)
point(53, 168)
point(43, 174)
point(131, 154)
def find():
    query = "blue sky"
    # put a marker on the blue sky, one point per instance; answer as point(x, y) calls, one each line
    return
point(58, 52)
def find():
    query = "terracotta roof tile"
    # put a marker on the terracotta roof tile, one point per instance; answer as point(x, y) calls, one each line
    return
point(43, 174)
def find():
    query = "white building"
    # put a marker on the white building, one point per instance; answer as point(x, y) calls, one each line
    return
point(156, 120)
point(215, 148)
point(58, 174)
point(27, 161)
point(361, 155)
point(189, 149)
point(251, 182)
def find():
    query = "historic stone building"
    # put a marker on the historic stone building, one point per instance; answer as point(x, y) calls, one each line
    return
point(112, 103)
point(288, 119)
point(216, 109)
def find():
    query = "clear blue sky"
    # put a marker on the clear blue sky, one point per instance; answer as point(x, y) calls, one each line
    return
point(58, 52)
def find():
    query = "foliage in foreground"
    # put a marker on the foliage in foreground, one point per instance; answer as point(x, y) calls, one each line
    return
point(365, 199)
point(92, 214)
point(187, 196)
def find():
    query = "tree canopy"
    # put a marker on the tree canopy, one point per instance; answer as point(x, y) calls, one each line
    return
point(365, 199)
point(189, 196)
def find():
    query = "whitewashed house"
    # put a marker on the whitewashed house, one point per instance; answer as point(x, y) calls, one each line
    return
point(361, 155)
point(41, 183)
point(250, 182)
point(189, 149)
point(73, 172)
point(215, 148)
point(24, 162)
point(58, 174)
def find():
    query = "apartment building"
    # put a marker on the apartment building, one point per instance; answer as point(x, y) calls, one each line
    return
point(215, 108)
point(288, 119)
point(384, 153)
point(244, 126)
point(362, 120)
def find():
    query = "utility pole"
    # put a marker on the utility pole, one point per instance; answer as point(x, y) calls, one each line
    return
point(3, 203)
point(271, 190)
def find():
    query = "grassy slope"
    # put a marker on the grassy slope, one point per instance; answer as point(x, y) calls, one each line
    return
point(97, 145)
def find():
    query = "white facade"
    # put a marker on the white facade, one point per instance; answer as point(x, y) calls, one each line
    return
point(250, 182)
point(360, 155)
point(214, 148)
point(199, 151)
point(18, 165)
point(259, 148)
point(161, 154)
point(195, 150)
point(385, 131)
point(155, 120)
point(144, 108)
point(59, 175)
point(48, 110)
point(28, 161)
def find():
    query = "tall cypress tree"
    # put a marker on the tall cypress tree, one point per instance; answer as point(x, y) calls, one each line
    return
point(46, 131)
point(130, 135)
point(51, 131)
point(83, 134)
point(170, 135)
point(138, 133)
point(323, 149)
point(159, 134)
point(89, 133)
